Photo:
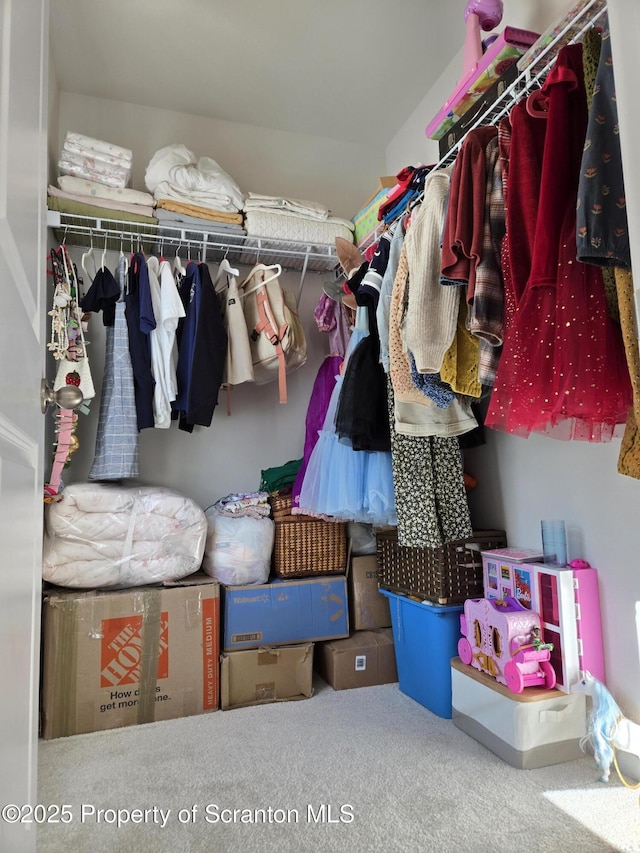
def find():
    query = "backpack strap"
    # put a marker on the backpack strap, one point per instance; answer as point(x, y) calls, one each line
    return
point(267, 325)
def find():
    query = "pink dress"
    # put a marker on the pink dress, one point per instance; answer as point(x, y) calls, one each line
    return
point(563, 369)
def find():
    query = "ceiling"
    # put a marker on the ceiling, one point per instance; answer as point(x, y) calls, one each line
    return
point(352, 70)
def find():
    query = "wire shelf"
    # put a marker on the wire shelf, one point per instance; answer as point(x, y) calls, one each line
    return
point(210, 245)
point(533, 76)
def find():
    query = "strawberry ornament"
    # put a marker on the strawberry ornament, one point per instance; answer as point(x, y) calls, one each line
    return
point(73, 378)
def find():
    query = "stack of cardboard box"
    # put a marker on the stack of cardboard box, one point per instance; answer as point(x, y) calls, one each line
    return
point(367, 656)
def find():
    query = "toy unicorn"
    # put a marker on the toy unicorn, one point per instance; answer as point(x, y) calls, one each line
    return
point(607, 728)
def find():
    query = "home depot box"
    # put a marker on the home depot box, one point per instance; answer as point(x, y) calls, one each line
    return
point(531, 729)
point(368, 608)
point(130, 656)
point(361, 660)
point(285, 612)
point(268, 674)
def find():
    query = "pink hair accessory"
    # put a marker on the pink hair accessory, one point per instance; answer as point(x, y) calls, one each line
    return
point(579, 564)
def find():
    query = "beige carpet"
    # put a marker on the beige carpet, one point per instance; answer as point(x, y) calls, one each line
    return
point(401, 779)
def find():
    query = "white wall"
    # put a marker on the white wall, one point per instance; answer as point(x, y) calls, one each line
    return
point(522, 481)
point(341, 175)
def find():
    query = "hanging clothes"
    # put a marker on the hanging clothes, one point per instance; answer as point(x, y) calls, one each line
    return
point(562, 370)
point(341, 482)
point(329, 315)
point(430, 497)
point(117, 440)
point(140, 322)
point(168, 310)
point(202, 350)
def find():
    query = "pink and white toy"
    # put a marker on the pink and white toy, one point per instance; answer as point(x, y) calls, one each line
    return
point(503, 639)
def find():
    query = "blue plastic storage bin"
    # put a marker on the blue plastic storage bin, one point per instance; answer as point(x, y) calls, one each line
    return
point(426, 638)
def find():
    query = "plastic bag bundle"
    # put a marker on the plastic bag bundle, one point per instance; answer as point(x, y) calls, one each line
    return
point(106, 535)
point(238, 550)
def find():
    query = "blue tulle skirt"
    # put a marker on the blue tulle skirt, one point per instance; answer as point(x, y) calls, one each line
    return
point(343, 483)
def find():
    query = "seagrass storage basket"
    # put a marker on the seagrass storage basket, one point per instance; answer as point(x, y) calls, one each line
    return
point(446, 575)
point(305, 546)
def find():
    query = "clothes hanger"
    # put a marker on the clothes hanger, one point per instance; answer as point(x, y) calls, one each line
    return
point(88, 256)
point(103, 263)
point(177, 263)
point(123, 256)
point(537, 104)
point(263, 268)
point(224, 271)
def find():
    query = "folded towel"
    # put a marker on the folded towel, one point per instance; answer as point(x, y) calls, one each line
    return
point(256, 201)
point(201, 212)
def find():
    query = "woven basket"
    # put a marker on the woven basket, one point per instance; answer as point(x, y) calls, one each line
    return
point(446, 575)
point(305, 546)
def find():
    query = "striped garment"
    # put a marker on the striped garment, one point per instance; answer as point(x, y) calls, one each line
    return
point(116, 455)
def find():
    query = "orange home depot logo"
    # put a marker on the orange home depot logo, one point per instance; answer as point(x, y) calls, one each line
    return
point(121, 652)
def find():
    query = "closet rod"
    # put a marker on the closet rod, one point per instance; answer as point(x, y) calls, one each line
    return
point(120, 234)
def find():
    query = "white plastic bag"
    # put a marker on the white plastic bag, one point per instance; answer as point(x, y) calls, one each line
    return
point(238, 550)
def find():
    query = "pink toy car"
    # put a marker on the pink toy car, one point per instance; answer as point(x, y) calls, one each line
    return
point(503, 639)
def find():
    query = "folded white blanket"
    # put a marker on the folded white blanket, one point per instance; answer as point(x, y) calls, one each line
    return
point(78, 186)
point(89, 170)
point(255, 201)
point(105, 535)
point(288, 226)
point(81, 143)
point(174, 173)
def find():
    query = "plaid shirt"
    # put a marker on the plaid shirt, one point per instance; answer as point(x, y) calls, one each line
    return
point(486, 309)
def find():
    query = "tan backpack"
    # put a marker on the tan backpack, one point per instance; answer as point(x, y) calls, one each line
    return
point(276, 337)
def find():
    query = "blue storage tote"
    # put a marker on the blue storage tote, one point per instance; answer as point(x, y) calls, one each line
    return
point(426, 638)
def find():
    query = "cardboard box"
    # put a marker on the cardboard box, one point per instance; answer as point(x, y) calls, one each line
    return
point(527, 730)
point(368, 608)
point(129, 656)
point(364, 659)
point(285, 612)
point(268, 674)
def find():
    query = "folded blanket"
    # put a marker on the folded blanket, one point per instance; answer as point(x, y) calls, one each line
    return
point(184, 221)
point(92, 189)
point(106, 203)
point(65, 205)
point(89, 171)
point(201, 212)
point(174, 173)
point(270, 202)
point(287, 226)
point(79, 142)
point(105, 535)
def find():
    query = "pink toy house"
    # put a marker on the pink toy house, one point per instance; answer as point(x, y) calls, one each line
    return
point(507, 573)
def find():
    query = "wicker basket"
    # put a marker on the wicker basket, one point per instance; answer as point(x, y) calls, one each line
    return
point(446, 575)
point(305, 546)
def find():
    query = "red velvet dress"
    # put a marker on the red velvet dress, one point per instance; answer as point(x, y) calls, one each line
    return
point(562, 370)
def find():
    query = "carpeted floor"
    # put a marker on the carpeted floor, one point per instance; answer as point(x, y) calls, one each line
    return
point(390, 775)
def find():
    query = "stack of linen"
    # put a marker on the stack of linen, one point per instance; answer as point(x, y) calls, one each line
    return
point(92, 182)
point(95, 160)
point(288, 219)
point(191, 192)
